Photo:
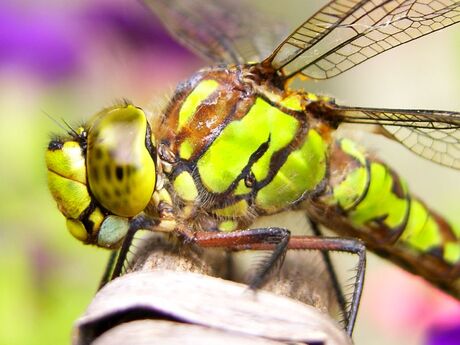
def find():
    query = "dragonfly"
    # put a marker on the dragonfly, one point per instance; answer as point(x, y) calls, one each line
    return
point(236, 142)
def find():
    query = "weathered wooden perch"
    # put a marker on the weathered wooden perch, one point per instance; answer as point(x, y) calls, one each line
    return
point(172, 298)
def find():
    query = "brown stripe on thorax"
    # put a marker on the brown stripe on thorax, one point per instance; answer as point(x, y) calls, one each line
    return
point(230, 101)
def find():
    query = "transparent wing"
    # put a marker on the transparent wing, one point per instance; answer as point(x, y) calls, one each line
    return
point(220, 31)
point(345, 33)
point(432, 134)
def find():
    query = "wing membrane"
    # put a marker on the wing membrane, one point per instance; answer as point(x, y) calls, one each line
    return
point(220, 31)
point(345, 33)
point(432, 134)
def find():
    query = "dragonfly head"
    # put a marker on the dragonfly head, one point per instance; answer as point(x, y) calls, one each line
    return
point(103, 174)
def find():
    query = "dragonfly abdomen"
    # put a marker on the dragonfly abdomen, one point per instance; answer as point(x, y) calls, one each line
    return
point(367, 199)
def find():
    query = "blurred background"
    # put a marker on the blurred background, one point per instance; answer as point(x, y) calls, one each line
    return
point(69, 59)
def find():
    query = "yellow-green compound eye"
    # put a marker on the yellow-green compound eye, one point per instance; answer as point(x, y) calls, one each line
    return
point(67, 178)
point(121, 170)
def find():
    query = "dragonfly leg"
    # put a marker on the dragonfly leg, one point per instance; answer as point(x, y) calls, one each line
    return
point(240, 240)
point(277, 239)
point(339, 244)
point(106, 277)
point(141, 222)
point(331, 271)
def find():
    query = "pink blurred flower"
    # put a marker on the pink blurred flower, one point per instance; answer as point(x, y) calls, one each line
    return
point(403, 303)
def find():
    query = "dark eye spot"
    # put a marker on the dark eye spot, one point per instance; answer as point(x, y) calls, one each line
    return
point(98, 153)
point(108, 173)
point(95, 173)
point(105, 193)
point(119, 173)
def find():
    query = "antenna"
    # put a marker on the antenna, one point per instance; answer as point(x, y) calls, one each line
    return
point(66, 127)
point(56, 122)
point(72, 131)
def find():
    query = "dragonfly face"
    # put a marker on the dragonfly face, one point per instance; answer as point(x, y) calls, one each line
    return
point(103, 174)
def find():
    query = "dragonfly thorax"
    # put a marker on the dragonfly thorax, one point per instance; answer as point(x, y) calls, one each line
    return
point(239, 146)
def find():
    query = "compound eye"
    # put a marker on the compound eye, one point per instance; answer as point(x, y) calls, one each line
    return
point(121, 170)
point(67, 178)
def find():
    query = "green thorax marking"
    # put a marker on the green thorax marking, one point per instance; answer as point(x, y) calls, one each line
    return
point(193, 101)
point(224, 160)
point(303, 170)
point(265, 152)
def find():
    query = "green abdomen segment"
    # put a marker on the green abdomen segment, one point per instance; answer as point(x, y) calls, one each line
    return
point(374, 203)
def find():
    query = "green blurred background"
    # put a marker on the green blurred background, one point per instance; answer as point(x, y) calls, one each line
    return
point(69, 59)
